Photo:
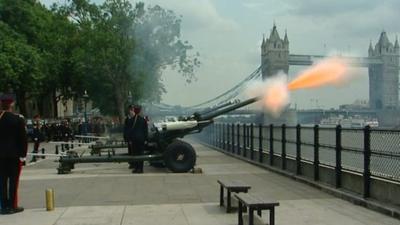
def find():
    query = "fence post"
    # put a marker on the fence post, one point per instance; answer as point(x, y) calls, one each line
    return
point(238, 139)
point(223, 137)
point(298, 149)
point(316, 153)
point(233, 138)
point(260, 142)
point(283, 146)
point(271, 144)
point(213, 134)
point(338, 168)
point(367, 161)
point(226, 134)
point(228, 140)
point(252, 141)
point(216, 135)
point(244, 140)
point(210, 135)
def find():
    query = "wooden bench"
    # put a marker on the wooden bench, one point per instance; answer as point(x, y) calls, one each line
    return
point(255, 202)
point(231, 186)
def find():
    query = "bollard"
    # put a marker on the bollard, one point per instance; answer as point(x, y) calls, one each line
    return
point(49, 199)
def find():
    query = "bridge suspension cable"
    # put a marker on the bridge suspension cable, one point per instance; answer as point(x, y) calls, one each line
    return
point(231, 93)
point(218, 100)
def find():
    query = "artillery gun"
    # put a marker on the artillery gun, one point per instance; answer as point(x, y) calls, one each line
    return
point(163, 146)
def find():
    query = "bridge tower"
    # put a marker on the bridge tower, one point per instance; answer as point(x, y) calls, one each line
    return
point(384, 78)
point(274, 54)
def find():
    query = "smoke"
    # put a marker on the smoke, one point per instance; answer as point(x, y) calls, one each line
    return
point(275, 90)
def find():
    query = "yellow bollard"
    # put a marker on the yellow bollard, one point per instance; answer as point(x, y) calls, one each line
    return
point(49, 199)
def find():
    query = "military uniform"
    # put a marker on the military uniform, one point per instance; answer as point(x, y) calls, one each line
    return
point(13, 147)
point(37, 138)
point(127, 124)
point(136, 132)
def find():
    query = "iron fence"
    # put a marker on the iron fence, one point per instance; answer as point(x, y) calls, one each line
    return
point(365, 151)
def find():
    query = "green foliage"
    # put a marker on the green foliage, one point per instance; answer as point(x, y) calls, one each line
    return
point(20, 63)
point(109, 50)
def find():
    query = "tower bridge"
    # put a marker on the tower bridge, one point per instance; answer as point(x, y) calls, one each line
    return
point(382, 63)
point(383, 71)
point(307, 60)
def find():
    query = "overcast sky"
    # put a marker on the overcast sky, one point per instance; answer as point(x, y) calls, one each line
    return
point(228, 33)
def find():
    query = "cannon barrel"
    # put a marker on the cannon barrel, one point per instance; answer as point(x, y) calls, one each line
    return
point(212, 109)
point(213, 114)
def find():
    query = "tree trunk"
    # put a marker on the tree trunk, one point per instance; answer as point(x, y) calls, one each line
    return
point(54, 100)
point(120, 105)
point(45, 105)
point(21, 102)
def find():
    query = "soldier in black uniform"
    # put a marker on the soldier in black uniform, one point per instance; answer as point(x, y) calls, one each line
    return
point(66, 133)
point(135, 133)
point(13, 149)
point(36, 136)
point(127, 125)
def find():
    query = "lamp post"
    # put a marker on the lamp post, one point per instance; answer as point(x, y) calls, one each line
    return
point(85, 99)
point(130, 97)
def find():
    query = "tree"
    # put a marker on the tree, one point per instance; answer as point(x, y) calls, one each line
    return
point(126, 48)
point(159, 45)
point(49, 37)
point(20, 65)
point(110, 50)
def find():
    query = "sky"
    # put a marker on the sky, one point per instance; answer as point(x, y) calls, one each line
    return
point(228, 35)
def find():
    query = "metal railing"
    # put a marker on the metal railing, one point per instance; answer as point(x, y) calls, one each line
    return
point(364, 151)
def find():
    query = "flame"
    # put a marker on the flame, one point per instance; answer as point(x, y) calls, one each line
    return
point(276, 94)
point(328, 71)
point(276, 90)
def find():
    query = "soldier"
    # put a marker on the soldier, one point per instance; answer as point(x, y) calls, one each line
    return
point(36, 136)
point(127, 125)
point(66, 133)
point(13, 149)
point(136, 132)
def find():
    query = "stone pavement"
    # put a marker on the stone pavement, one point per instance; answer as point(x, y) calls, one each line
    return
point(110, 194)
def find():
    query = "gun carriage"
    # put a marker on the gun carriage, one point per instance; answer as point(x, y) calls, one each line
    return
point(163, 147)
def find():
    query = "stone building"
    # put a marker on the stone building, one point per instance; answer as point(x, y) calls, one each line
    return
point(384, 77)
point(274, 54)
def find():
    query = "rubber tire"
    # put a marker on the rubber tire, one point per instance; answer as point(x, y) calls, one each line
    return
point(179, 148)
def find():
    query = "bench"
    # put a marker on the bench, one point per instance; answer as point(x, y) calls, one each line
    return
point(255, 202)
point(231, 186)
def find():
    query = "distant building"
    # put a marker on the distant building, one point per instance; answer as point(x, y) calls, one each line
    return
point(356, 105)
point(384, 78)
point(274, 54)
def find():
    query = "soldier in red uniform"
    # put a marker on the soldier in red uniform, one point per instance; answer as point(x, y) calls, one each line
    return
point(13, 149)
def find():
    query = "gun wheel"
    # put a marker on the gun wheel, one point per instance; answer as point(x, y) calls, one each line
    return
point(179, 157)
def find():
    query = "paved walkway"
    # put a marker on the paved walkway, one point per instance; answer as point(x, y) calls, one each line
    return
point(110, 194)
